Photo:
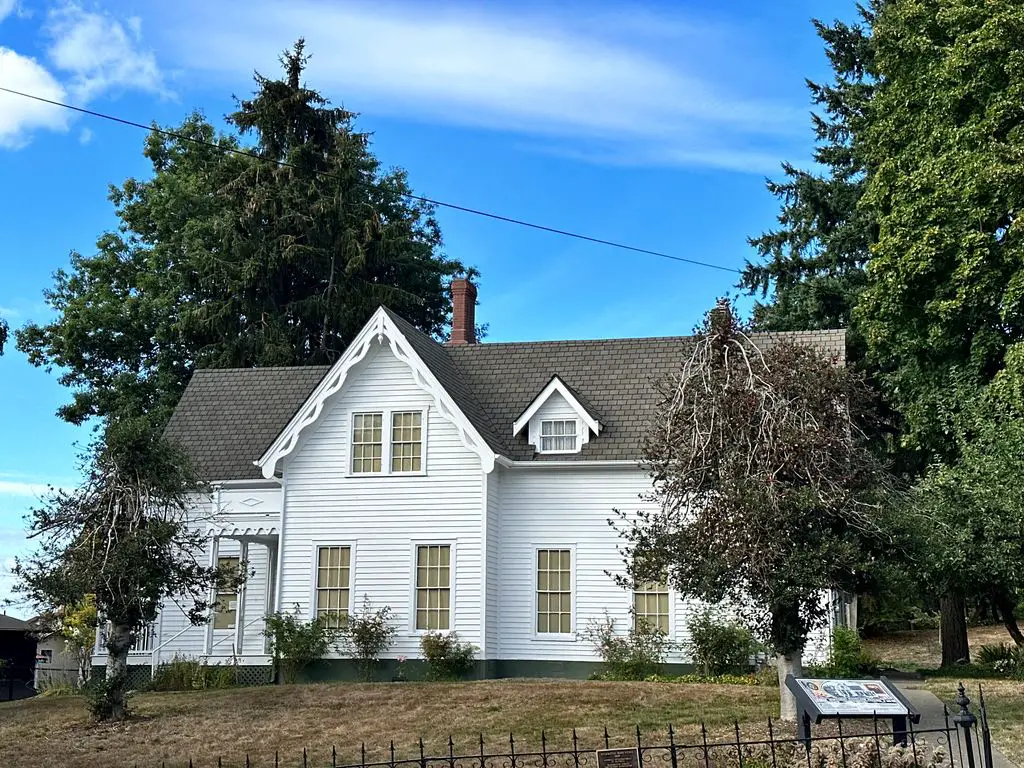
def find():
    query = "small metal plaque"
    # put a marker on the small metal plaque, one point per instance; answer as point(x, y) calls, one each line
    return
point(618, 758)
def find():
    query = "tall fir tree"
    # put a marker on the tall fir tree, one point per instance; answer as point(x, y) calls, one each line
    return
point(812, 265)
point(226, 260)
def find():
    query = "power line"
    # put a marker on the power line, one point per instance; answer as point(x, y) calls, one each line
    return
point(408, 195)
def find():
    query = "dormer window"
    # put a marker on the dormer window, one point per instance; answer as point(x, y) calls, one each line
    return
point(557, 420)
point(558, 436)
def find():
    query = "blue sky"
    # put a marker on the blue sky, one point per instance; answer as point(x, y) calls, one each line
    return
point(649, 123)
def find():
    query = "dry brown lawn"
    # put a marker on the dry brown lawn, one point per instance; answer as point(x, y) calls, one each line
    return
point(173, 727)
point(1005, 704)
point(920, 648)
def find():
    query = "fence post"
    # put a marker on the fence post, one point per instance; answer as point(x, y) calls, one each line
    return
point(966, 720)
point(986, 736)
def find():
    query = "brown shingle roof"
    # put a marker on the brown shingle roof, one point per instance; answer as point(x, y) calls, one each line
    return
point(227, 418)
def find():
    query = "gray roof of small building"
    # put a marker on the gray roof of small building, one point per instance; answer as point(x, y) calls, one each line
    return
point(227, 418)
point(12, 624)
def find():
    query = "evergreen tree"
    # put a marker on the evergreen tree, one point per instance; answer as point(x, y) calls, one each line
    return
point(813, 265)
point(226, 260)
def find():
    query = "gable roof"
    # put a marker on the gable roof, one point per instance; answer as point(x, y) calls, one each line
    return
point(573, 398)
point(228, 418)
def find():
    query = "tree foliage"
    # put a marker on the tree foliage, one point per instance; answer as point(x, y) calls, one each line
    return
point(813, 264)
point(223, 260)
point(767, 493)
point(945, 185)
point(126, 536)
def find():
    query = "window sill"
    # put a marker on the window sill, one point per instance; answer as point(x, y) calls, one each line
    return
point(358, 475)
point(558, 637)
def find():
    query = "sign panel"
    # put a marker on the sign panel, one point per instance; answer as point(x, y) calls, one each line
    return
point(618, 758)
point(853, 697)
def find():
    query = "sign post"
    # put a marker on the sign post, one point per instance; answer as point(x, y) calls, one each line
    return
point(819, 700)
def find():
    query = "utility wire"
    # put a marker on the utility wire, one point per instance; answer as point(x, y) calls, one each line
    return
point(408, 195)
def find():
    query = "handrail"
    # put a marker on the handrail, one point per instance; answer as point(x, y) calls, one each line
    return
point(234, 650)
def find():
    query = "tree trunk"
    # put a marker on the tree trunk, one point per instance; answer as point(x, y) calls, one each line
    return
point(788, 664)
point(1006, 607)
point(953, 630)
point(118, 642)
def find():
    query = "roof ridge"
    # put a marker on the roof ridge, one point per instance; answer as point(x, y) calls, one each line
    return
point(237, 369)
point(637, 338)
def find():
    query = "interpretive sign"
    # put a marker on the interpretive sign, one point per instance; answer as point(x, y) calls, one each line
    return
point(818, 700)
point(618, 758)
point(853, 697)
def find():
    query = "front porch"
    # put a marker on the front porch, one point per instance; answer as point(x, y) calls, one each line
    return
point(233, 633)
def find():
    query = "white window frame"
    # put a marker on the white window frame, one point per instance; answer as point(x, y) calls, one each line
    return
point(236, 592)
point(385, 449)
point(577, 438)
point(452, 572)
point(314, 559)
point(671, 610)
point(559, 637)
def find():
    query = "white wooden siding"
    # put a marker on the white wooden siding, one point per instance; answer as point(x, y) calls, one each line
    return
point(493, 544)
point(383, 517)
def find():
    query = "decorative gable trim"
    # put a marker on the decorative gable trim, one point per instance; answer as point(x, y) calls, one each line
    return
point(379, 327)
point(553, 386)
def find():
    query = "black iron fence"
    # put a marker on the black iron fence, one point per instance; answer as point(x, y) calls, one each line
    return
point(960, 740)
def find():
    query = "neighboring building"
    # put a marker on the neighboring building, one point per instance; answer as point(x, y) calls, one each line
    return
point(54, 664)
point(17, 658)
point(466, 485)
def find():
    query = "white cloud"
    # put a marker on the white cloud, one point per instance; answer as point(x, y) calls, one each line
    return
point(18, 115)
point(99, 53)
point(542, 76)
point(85, 136)
point(23, 489)
point(7, 7)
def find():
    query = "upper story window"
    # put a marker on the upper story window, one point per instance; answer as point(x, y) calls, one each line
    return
point(401, 453)
point(367, 445)
point(406, 441)
point(558, 436)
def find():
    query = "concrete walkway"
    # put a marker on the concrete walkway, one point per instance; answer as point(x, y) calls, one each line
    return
point(932, 716)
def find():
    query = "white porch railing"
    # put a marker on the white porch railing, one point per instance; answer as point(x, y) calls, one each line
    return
point(142, 643)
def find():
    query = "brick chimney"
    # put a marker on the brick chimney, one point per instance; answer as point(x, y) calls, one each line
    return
point(463, 312)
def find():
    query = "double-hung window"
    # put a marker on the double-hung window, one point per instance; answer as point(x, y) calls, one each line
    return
point(558, 436)
point(367, 442)
point(333, 579)
point(554, 591)
point(650, 606)
point(226, 607)
point(401, 451)
point(433, 586)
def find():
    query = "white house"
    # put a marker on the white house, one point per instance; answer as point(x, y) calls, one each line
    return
point(466, 485)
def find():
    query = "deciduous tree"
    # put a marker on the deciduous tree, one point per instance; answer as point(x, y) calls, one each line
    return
point(129, 536)
point(767, 493)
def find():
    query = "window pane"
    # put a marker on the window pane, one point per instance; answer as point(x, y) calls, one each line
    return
point(433, 586)
point(332, 583)
point(367, 446)
point(554, 591)
point(651, 606)
point(406, 441)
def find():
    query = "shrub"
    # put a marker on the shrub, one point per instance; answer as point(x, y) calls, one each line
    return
point(847, 658)
point(446, 657)
point(720, 647)
point(100, 694)
point(295, 644)
point(366, 635)
point(637, 655)
point(990, 654)
point(187, 674)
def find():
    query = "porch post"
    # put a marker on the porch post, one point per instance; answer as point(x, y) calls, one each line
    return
point(243, 560)
point(271, 596)
point(214, 553)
